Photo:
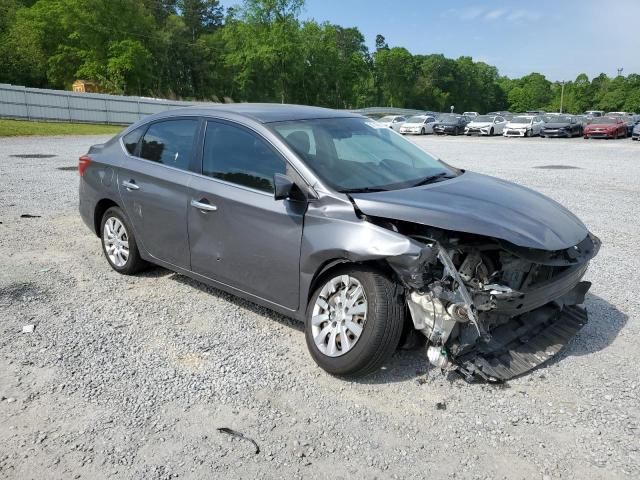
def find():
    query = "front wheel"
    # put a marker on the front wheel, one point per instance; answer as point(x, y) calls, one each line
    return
point(422, 132)
point(354, 321)
point(119, 244)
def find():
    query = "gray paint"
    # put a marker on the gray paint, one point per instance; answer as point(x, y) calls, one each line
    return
point(271, 251)
point(483, 205)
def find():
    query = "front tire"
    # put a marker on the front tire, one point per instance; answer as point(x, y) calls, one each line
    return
point(354, 321)
point(119, 244)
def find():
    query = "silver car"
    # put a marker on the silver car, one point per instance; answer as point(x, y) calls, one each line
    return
point(332, 219)
point(394, 122)
point(418, 125)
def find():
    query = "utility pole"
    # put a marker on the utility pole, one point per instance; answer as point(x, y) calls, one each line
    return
point(562, 96)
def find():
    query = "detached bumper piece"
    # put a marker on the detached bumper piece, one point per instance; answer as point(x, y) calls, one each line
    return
point(522, 344)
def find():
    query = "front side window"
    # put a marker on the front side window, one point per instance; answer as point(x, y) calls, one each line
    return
point(170, 142)
point(237, 155)
point(357, 154)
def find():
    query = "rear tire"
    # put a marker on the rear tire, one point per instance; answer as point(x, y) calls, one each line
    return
point(119, 244)
point(376, 333)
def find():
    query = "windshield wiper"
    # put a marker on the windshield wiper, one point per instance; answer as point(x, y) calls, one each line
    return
point(433, 178)
point(364, 190)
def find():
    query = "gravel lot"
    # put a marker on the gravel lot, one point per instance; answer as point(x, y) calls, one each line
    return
point(130, 377)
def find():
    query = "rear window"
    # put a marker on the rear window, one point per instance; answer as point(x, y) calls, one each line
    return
point(170, 142)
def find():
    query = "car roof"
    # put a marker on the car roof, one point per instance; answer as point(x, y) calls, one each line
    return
point(263, 112)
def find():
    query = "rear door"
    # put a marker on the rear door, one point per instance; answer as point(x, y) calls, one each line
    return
point(154, 186)
point(239, 235)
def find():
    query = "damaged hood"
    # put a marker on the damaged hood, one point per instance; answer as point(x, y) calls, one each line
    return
point(482, 205)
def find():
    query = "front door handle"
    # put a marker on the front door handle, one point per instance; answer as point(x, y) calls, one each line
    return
point(130, 185)
point(205, 207)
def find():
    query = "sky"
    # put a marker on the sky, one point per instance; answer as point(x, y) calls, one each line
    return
point(559, 39)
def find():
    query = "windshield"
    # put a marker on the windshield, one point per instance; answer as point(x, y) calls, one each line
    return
point(558, 119)
point(605, 120)
point(521, 120)
point(483, 118)
point(415, 120)
point(449, 118)
point(356, 154)
point(387, 119)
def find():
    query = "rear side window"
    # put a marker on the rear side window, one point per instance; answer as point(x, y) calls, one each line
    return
point(239, 156)
point(170, 142)
point(131, 140)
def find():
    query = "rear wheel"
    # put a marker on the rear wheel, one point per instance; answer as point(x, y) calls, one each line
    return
point(119, 244)
point(354, 321)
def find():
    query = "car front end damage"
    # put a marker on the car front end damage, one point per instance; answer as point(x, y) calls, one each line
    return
point(489, 309)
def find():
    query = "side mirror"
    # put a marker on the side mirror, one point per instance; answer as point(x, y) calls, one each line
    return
point(282, 186)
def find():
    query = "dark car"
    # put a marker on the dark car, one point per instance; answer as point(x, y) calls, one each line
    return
point(450, 124)
point(636, 132)
point(328, 217)
point(606, 127)
point(561, 126)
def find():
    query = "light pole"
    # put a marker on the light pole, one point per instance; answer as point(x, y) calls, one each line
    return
point(562, 96)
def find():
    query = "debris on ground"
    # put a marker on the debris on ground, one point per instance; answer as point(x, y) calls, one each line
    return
point(28, 328)
point(235, 433)
point(28, 215)
point(441, 405)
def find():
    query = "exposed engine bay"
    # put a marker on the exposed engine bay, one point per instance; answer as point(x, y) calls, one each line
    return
point(490, 309)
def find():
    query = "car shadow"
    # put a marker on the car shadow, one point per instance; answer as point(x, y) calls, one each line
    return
point(604, 325)
point(239, 302)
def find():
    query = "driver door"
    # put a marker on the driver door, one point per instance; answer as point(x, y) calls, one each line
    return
point(238, 233)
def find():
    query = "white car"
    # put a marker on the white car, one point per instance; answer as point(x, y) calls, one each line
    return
point(418, 125)
point(523, 126)
point(471, 115)
point(486, 125)
point(392, 121)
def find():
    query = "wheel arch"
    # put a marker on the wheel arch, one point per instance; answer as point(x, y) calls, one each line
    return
point(101, 207)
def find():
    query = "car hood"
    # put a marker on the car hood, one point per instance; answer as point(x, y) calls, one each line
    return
point(601, 125)
point(482, 205)
point(556, 125)
point(446, 124)
point(517, 125)
point(479, 124)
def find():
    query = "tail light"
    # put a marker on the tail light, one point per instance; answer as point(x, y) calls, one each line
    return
point(83, 163)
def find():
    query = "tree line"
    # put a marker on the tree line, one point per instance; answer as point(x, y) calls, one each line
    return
point(263, 51)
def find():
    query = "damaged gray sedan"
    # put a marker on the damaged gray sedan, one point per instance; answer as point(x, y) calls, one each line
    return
point(334, 220)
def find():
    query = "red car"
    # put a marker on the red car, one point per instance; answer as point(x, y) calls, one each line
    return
point(606, 127)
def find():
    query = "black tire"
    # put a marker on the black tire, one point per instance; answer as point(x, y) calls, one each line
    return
point(491, 132)
point(422, 132)
point(134, 262)
point(381, 332)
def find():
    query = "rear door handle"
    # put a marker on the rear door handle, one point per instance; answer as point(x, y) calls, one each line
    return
point(130, 185)
point(205, 207)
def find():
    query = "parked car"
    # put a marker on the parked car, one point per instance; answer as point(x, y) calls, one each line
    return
point(636, 132)
point(418, 125)
point(392, 121)
point(486, 125)
point(606, 127)
point(470, 115)
point(450, 124)
point(561, 126)
point(535, 112)
point(503, 113)
point(326, 217)
point(523, 126)
point(594, 113)
point(627, 118)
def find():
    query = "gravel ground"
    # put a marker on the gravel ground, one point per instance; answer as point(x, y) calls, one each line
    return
point(130, 377)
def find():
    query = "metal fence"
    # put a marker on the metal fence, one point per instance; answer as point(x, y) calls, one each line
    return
point(62, 106)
